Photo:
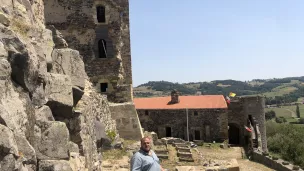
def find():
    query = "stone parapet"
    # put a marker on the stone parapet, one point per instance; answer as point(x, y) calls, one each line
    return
point(274, 163)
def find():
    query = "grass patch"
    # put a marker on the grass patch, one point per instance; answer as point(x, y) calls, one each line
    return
point(222, 85)
point(114, 154)
point(287, 112)
point(280, 91)
point(128, 142)
point(289, 120)
point(280, 112)
point(19, 26)
point(294, 107)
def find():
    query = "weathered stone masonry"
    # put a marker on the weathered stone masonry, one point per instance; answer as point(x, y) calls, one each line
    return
point(210, 124)
point(245, 109)
point(99, 30)
point(77, 20)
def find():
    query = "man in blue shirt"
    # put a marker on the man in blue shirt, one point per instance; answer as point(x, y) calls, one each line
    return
point(145, 159)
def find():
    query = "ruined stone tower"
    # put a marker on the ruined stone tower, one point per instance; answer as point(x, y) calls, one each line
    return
point(99, 30)
point(247, 111)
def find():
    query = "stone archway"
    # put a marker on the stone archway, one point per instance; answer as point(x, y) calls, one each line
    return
point(234, 133)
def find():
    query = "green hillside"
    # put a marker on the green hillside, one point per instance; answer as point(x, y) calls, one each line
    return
point(276, 91)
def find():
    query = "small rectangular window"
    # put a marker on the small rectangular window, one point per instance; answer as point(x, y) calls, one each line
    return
point(103, 87)
point(101, 14)
point(146, 113)
point(195, 113)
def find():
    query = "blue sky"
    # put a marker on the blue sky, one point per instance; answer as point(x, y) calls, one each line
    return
point(204, 40)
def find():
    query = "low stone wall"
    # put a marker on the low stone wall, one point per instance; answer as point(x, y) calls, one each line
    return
point(274, 164)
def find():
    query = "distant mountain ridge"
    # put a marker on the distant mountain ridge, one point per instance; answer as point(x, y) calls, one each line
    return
point(278, 90)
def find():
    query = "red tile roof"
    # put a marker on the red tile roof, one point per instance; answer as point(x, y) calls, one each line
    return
point(190, 102)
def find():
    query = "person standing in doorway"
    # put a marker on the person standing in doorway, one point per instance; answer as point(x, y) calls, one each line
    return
point(145, 159)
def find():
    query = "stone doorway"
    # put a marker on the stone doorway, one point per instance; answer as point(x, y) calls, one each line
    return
point(168, 132)
point(234, 134)
point(197, 135)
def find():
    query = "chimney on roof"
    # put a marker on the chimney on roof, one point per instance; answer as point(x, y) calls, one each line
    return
point(174, 97)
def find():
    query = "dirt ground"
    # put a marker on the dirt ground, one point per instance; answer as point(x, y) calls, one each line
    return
point(214, 153)
point(113, 163)
point(233, 152)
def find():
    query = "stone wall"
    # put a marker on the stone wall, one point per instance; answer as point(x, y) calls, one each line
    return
point(127, 121)
point(255, 106)
point(51, 118)
point(236, 117)
point(210, 124)
point(274, 163)
point(78, 23)
point(240, 111)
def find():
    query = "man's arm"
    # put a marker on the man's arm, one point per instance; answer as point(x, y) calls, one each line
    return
point(136, 163)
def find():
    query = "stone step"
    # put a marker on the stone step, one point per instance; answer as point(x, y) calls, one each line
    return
point(188, 150)
point(186, 155)
point(162, 156)
point(179, 144)
point(186, 159)
point(161, 151)
point(182, 148)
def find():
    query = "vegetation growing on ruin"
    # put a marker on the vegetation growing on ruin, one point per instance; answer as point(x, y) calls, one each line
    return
point(114, 154)
point(111, 134)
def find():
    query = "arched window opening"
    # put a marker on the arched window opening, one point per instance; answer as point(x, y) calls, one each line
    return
point(101, 14)
point(102, 48)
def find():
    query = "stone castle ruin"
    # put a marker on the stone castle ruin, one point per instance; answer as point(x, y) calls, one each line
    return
point(65, 83)
point(99, 30)
point(66, 90)
point(208, 118)
point(247, 111)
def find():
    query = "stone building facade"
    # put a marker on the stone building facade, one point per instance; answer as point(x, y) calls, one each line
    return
point(207, 116)
point(204, 124)
point(99, 30)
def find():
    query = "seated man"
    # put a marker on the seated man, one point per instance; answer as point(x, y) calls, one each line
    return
point(145, 159)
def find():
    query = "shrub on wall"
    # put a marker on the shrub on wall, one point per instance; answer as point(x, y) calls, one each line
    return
point(111, 134)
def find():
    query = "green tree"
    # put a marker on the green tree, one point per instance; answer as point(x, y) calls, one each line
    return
point(298, 111)
point(270, 115)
